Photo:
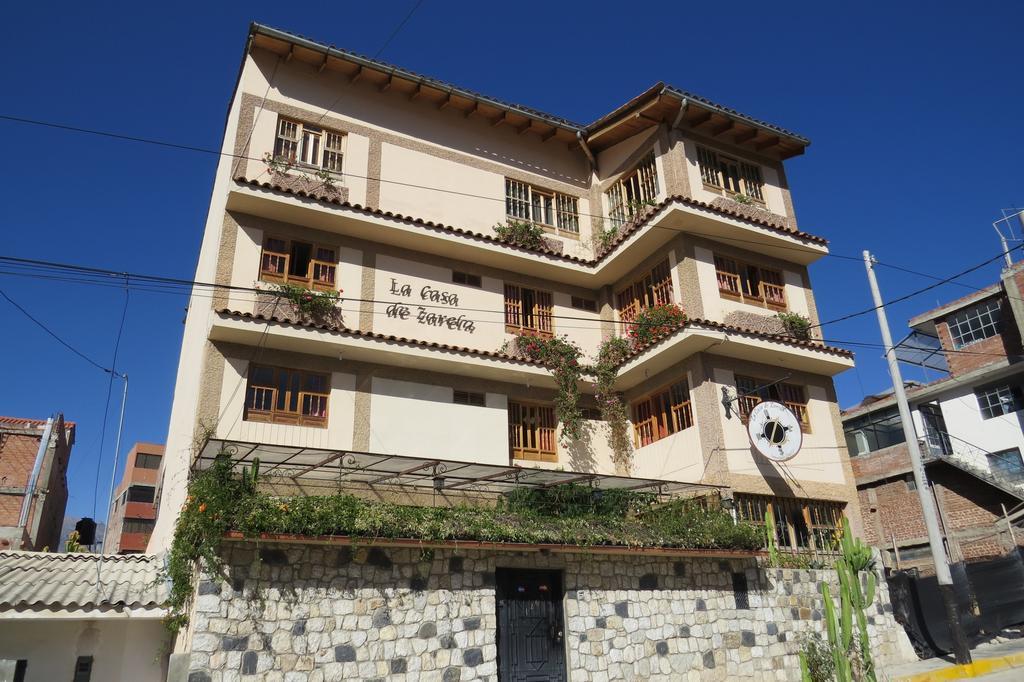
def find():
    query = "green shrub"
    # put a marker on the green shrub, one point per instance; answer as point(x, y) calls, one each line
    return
point(521, 233)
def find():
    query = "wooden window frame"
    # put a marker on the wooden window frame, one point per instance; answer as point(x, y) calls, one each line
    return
point(748, 177)
point(821, 519)
point(564, 209)
point(735, 282)
point(296, 143)
point(793, 396)
point(540, 315)
point(653, 288)
point(662, 413)
point(537, 442)
point(318, 401)
point(467, 279)
point(321, 273)
point(638, 186)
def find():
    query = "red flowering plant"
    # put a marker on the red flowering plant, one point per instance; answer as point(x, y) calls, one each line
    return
point(562, 357)
point(650, 324)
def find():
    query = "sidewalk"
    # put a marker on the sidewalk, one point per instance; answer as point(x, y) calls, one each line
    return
point(988, 659)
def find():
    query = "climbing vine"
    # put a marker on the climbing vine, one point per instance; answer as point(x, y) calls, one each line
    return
point(610, 355)
point(562, 357)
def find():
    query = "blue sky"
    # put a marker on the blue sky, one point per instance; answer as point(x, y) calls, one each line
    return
point(913, 109)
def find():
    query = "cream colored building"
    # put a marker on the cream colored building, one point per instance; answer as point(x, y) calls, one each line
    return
point(342, 173)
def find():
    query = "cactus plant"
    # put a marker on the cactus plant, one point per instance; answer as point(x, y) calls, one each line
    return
point(773, 547)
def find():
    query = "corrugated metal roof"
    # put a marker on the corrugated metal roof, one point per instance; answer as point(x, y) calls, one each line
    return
point(34, 580)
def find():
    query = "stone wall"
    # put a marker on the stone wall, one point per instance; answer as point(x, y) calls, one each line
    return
point(303, 613)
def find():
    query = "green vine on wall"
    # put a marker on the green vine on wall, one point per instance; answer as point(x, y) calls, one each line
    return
point(562, 357)
point(610, 355)
point(796, 325)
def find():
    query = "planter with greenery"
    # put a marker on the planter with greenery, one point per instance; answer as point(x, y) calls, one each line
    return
point(219, 501)
point(650, 324)
point(562, 357)
point(318, 305)
point(796, 325)
point(521, 233)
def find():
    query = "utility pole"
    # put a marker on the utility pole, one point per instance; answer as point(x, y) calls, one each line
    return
point(960, 648)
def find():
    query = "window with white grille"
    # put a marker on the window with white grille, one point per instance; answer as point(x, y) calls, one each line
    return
point(308, 145)
point(975, 323)
point(543, 207)
point(633, 192)
point(996, 401)
point(729, 175)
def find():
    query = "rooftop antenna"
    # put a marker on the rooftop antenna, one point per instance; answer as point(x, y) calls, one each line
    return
point(1005, 229)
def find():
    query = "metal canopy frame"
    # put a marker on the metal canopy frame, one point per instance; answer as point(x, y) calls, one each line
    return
point(325, 467)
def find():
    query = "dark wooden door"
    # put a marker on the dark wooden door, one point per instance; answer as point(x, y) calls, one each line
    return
point(531, 627)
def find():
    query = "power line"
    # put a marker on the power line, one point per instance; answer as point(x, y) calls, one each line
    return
point(157, 284)
point(59, 340)
point(215, 152)
point(398, 28)
point(106, 403)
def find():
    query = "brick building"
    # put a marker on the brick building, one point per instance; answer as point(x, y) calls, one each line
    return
point(34, 455)
point(969, 425)
point(133, 510)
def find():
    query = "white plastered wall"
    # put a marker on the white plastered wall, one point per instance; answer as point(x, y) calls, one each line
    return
point(421, 420)
point(971, 435)
point(122, 649)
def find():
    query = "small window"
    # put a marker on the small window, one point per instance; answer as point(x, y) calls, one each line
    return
point(546, 208)
point(531, 432)
point(145, 461)
point(298, 262)
point(286, 396)
point(654, 288)
point(528, 310)
point(911, 482)
point(729, 175)
point(996, 401)
point(587, 304)
point(308, 145)
point(141, 493)
point(1007, 463)
point(83, 669)
point(138, 526)
point(750, 283)
point(591, 414)
point(975, 324)
point(662, 414)
point(466, 279)
point(633, 192)
point(469, 398)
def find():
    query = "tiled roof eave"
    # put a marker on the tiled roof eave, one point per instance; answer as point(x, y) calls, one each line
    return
point(741, 331)
point(623, 237)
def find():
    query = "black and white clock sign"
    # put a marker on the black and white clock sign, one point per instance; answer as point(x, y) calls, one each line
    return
point(774, 431)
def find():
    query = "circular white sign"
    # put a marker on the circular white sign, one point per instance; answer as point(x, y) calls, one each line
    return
point(774, 431)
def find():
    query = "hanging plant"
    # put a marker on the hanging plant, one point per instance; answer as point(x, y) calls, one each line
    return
point(613, 410)
point(521, 233)
point(650, 324)
point(315, 304)
point(562, 357)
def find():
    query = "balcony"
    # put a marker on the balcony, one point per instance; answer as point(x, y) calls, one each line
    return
point(644, 235)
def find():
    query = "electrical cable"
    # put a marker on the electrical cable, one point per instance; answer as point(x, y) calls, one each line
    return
point(106, 403)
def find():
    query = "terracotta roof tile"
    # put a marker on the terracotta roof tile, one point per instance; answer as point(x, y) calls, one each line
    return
point(69, 581)
point(634, 225)
point(24, 422)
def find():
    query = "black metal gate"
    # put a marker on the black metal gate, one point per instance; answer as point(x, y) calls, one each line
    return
point(531, 626)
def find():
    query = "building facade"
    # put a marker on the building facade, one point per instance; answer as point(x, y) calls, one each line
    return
point(133, 511)
point(968, 423)
point(34, 456)
point(348, 176)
